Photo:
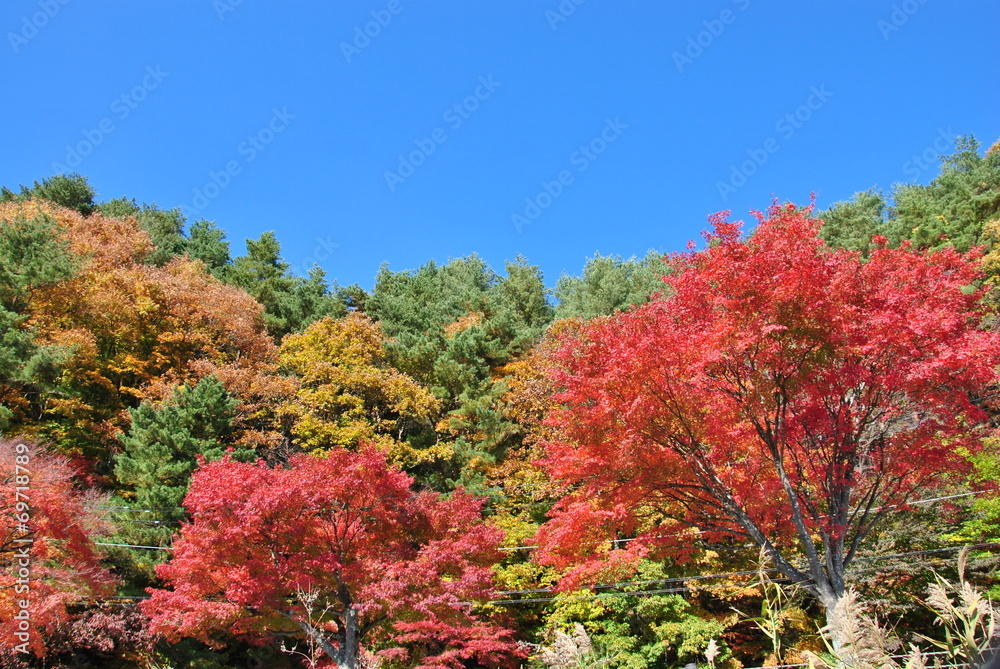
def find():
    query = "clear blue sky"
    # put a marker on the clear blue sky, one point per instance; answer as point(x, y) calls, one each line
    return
point(885, 80)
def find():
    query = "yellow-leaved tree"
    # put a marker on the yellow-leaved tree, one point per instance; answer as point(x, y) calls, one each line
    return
point(351, 395)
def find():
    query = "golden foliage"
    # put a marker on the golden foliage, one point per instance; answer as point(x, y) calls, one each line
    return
point(351, 395)
point(133, 331)
point(471, 319)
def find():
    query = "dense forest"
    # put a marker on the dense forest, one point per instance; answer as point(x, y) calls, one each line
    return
point(777, 447)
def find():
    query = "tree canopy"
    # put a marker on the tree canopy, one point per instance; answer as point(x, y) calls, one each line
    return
point(952, 210)
point(784, 393)
point(339, 553)
point(609, 284)
point(709, 456)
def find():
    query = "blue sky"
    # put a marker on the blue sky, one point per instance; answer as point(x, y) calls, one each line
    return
point(601, 126)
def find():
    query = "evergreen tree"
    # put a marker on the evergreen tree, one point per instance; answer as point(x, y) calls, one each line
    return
point(31, 255)
point(853, 223)
point(954, 209)
point(290, 302)
point(208, 244)
point(609, 284)
point(160, 451)
point(72, 191)
point(452, 328)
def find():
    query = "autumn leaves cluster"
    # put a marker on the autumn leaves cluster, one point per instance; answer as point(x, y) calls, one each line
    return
point(229, 460)
point(122, 331)
point(133, 366)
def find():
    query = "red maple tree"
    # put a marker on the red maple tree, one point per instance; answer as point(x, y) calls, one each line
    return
point(48, 561)
point(785, 393)
point(337, 552)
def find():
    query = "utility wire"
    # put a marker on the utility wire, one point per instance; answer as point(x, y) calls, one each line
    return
point(681, 590)
point(136, 509)
point(152, 548)
point(542, 600)
point(698, 532)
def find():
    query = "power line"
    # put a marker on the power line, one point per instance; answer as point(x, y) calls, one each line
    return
point(927, 552)
point(683, 579)
point(152, 548)
point(128, 509)
point(679, 579)
point(698, 532)
point(136, 509)
point(514, 548)
point(680, 590)
point(542, 600)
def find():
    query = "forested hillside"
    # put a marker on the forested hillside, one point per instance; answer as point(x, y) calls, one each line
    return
point(750, 453)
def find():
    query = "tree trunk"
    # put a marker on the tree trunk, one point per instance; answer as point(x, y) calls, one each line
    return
point(833, 627)
point(349, 652)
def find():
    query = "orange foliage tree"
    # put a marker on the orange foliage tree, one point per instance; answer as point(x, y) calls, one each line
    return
point(132, 331)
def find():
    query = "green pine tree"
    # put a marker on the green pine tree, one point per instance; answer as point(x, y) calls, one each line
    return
point(851, 224)
point(609, 284)
point(67, 190)
point(952, 210)
point(31, 255)
point(208, 244)
point(290, 302)
point(452, 327)
point(161, 450)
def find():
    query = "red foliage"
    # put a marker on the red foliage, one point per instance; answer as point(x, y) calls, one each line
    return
point(63, 567)
point(786, 392)
point(106, 631)
point(331, 548)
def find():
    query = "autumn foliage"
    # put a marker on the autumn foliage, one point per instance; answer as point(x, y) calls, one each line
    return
point(47, 555)
point(785, 392)
point(132, 331)
point(454, 469)
point(350, 394)
point(339, 552)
